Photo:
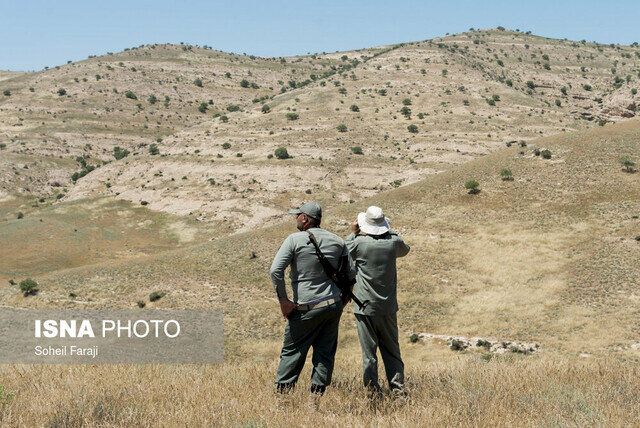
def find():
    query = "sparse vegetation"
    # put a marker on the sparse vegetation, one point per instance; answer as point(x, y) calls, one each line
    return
point(341, 128)
point(153, 149)
point(130, 95)
point(413, 128)
point(29, 287)
point(62, 92)
point(628, 164)
point(472, 187)
point(292, 116)
point(156, 295)
point(356, 150)
point(506, 174)
point(281, 153)
point(546, 154)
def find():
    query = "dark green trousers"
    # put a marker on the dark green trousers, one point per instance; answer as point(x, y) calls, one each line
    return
point(380, 331)
point(317, 328)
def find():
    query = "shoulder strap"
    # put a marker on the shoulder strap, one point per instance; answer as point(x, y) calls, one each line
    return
point(326, 264)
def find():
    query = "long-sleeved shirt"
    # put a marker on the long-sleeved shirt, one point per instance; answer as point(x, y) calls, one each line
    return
point(376, 279)
point(309, 282)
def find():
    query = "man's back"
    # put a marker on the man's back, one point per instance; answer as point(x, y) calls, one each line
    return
point(375, 260)
point(309, 282)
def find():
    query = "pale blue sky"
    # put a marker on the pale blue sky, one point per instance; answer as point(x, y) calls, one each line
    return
point(38, 33)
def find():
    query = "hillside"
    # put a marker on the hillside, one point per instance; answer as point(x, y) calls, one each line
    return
point(551, 257)
point(467, 95)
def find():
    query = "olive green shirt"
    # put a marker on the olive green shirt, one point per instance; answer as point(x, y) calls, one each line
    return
point(376, 279)
point(309, 282)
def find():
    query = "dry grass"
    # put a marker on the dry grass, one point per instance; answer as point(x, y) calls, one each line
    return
point(455, 391)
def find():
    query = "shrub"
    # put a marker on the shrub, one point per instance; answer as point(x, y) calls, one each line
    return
point(224, 119)
point(509, 82)
point(3, 146)
point(6, 93)
point(472, 186)
point(382, 92)
point(530, 84)
point(20, 215)
point(156, 295)
point(153, 149)
point(62, 91)
point(586, 87)
point(413, 129)
point(118, 153)
point(143, 203)
point(634, 91)
point(292, 116)
point(536, 152)
point(405, 111)
point(233, 107)
point(406, 101)
point(226, 146)
point(490, 101)
point(266, 108)
point(558, 103)
point(356, 150)
point(198, 82)
point(141, 304)
point(28, 287)
point(414, 338)
point(152, 99)
point(354, 108)
point(628, 164)
point(546, 154)
point(202, 108)
point(506, 174)
point(341, 128)
point(130, 95)
point(281, 153)
point(563, 90)
point(244, 83)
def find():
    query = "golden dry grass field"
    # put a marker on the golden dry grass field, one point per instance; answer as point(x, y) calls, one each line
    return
point(551, 256)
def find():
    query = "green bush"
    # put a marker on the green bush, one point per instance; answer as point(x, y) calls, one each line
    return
point(506, 174)
point(341, 128)
point(628, 164)
point(509, 82)
point(118, 153)
point(490, 101)
point(244, 83)
point(233, 107)
point(354, 108)
point(62, 91)
point(266, 108)
point(130, 95)
point(546, 154)
point(292, 116)
point(406, 101)
point(413, 129)
point(224, 119)
point(586, 87)
point(152, 99)
point(202, 108)
point(226, 146)
point(198, 82)
point(472, 186)
point(558, 103)
point(153, 149)
point(563, 90)
point(405, 111)
point(414, 338)
point(281, 153)
point(28, 287)
point(530, 84)
point(6, 93)
point(356, 150)
point(156, 295)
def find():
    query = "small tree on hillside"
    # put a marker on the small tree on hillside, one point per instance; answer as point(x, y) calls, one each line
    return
point(202, 108)
point(266, 108)
point(506, 174)
point(28, 287)
point(413, 129)
point(341, 128)
point(198, 82)
point(472, 186)
point(281, 153)
point(628, 164)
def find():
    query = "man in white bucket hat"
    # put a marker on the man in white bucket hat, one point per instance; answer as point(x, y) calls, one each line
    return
point(374, 248)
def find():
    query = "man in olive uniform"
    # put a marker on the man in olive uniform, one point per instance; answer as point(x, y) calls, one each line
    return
point(374, 249)
point(313, 314)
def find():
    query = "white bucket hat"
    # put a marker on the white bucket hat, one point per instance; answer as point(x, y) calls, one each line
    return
point(373, 222)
